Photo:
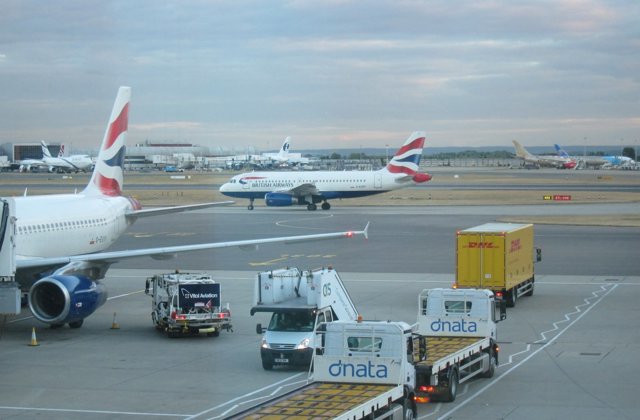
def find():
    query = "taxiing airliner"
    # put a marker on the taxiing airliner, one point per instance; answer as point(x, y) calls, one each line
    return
point(60, 240)
point(280, 188)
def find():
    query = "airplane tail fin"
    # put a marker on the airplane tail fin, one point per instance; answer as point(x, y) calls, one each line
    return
point(45, 150)
point(61, 151)
point(107, 177)
point(561, 151)
point(284, 150)
point(521, 152)
point(407, 158)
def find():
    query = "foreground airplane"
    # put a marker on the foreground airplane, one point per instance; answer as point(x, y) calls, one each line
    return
point(542, 160)
point(60, 239)
point(598, 161)
point(309, 188)
point(73, 163)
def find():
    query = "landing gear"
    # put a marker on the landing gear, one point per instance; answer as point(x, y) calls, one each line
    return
point(250, 206)
point(311, 207)
point(326, 206)
point(76, 324)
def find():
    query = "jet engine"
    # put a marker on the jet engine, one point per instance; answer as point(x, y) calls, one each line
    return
point(279, 199)
point(60, 299)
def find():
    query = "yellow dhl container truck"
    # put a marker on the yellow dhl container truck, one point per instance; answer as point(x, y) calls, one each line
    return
point(498, 257)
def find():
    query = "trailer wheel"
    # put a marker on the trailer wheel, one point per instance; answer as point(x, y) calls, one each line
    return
point(452, 388)
point(512, 296)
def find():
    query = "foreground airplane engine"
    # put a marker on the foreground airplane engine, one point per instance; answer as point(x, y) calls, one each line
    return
point(57, 300)
point(279, 199)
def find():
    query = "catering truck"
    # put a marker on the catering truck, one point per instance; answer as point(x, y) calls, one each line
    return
point(187, 303)
point(499, 257)
point(298, 301)
point(382, 369)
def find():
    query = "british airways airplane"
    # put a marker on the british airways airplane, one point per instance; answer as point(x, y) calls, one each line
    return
point(310, 188)
point(59, 241)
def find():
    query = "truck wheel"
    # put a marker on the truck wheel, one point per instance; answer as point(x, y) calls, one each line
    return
point(492, 366)
point(452, 389)
point(512, 296)
point(409, 408)
point(267, 365)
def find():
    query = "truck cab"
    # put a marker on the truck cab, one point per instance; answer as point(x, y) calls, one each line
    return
point(299, 301)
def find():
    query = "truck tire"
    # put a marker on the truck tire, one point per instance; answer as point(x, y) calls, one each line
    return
point(409, 410)
point(492, 366)
point(451, 390)
point(512, 297)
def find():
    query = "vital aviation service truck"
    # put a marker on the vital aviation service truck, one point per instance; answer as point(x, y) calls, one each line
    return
point(499, 257)
point(299, 301)
point(187, 303)
point(382, 369)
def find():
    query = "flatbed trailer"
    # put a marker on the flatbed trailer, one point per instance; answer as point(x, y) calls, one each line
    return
point(361, 370)
point(326, 400)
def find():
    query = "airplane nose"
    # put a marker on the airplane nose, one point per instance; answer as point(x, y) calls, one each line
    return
point(224, 187)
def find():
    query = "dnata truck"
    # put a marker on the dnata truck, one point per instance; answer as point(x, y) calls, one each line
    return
point(499, 257)
point(187, 303)
point(298, 301)
point(382, 369)
point(457, 329)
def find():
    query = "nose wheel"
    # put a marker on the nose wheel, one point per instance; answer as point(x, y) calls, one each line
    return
point(250, 206)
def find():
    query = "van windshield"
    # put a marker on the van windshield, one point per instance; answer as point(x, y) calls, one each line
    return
point(292, 321)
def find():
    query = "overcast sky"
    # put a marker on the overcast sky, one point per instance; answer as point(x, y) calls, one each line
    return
point(327, 73)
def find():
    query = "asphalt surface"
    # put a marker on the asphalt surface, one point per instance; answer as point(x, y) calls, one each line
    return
point(569, 351)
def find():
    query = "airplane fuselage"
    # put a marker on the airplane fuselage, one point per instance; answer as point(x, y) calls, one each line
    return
point(330, 184)
point(87, 223)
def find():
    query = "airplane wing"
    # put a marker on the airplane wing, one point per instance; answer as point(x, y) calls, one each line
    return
point(104, 259)
point(175, 209)
point(302, 190)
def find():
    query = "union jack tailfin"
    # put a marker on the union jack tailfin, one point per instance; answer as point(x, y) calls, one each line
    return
point(107, 177)
point(407, 158)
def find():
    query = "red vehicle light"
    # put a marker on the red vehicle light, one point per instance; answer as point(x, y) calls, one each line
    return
point(421, 400)
point(426, 388)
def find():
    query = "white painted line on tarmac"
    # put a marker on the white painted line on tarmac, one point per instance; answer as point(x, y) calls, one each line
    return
point(494, 381)
point(61, 410)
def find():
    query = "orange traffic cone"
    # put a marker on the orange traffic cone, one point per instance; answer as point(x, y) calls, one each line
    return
point(114, 324)
point(34, 342)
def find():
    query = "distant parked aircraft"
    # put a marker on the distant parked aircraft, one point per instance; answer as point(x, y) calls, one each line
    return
point(542, 160)
point(598, 161)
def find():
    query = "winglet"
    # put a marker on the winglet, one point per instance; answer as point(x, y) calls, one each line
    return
point(366, 231)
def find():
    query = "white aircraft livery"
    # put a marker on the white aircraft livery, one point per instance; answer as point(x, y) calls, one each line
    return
point(60, 240)
point(73, 163)
point(310, 188)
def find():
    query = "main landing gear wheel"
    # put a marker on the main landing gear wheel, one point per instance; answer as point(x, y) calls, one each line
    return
point(311, 207)
point(326, 206)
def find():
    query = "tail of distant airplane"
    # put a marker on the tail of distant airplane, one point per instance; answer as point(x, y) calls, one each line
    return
point(521, 152)
point(561, 152)
point(284, 150)
point(45, 150)
point(61, 151)
point(407, 158)
point(107, 177)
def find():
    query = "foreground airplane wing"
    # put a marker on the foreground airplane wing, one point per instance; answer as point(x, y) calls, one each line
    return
point(107, 258)
point(177, 209)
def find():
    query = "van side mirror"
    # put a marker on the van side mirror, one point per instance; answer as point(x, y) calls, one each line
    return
point(259, 329)
point(538, 254)
point(146, 287)
point(503, 309)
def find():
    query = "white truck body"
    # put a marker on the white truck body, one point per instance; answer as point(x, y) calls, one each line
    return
point(298, 301)
point(187, 303)
point(460, 336)
point(381, 369)
point(10, 294)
